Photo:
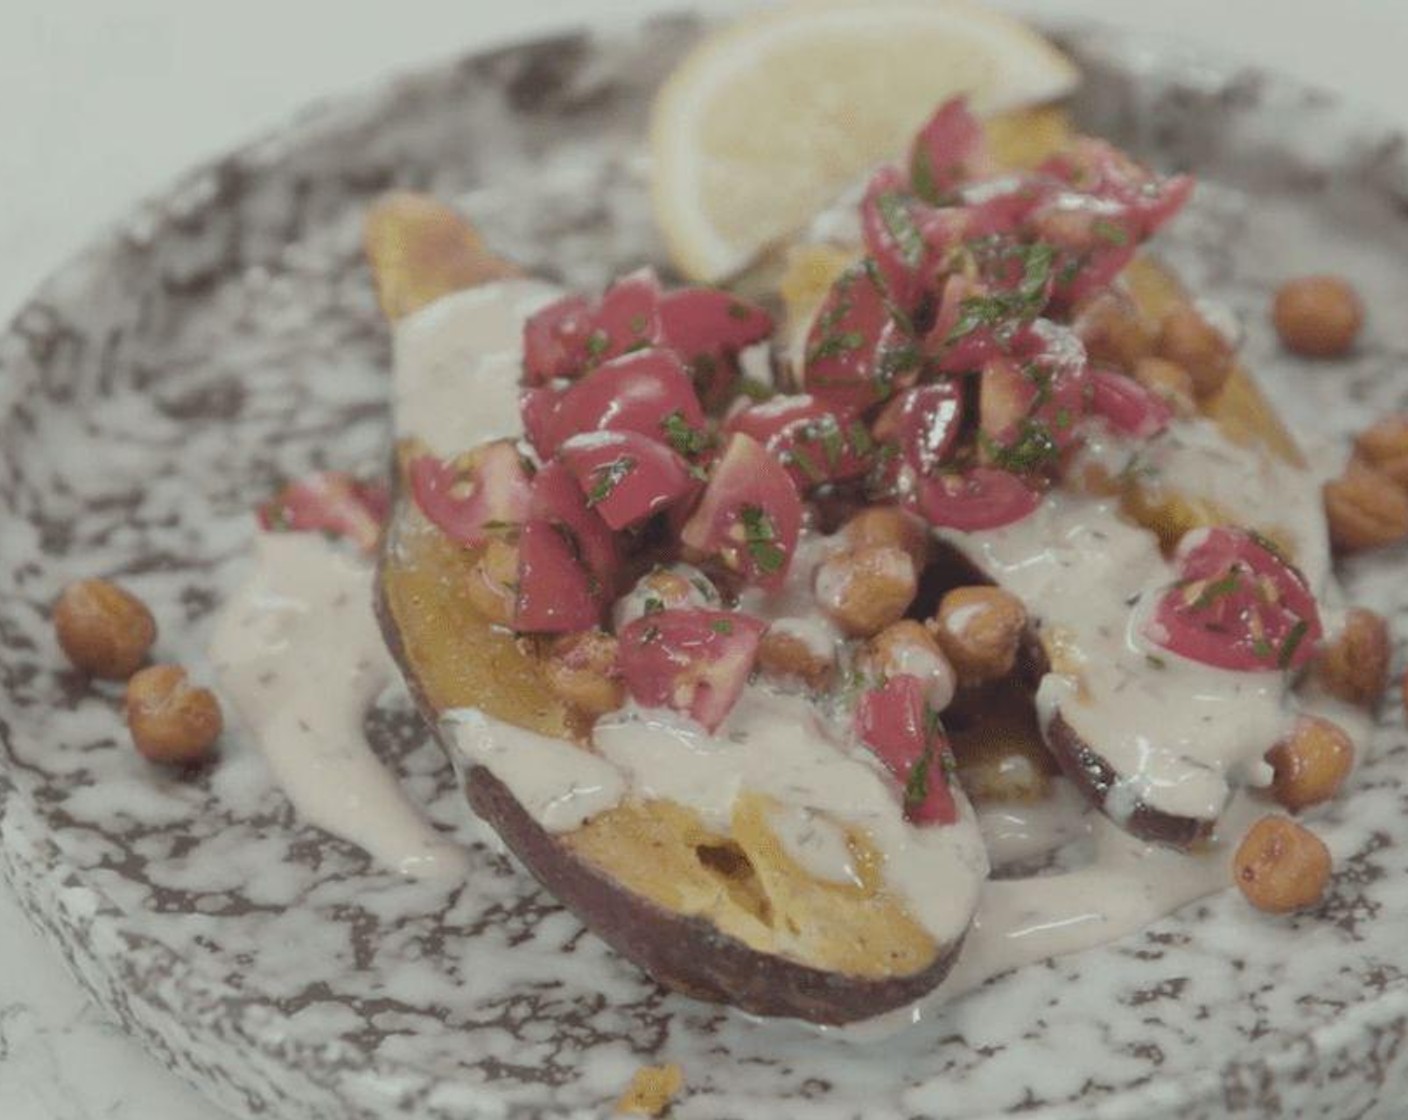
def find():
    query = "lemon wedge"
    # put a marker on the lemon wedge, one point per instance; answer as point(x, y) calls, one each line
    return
point(765, 121)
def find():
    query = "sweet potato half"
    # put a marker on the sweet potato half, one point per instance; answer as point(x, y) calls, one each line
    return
point(723, 917)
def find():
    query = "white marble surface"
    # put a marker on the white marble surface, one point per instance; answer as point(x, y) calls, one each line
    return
point(103, 103)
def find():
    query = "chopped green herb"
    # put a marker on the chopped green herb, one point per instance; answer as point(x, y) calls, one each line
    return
point(721, 626)
point(809, 466)
point(760, 538)
point(1109, 231)
point(833, 444)
point(1033, 450)
point(684, 439)
point(861, 440)
point(1287, 652)
point(1063, 419)
point(916, 785)
point(1261, 647)
point(756, 390)
point(834, 345)
point(598, 342)
point(1024, 301)
point(637, 324)
point(654, 604)
point(899, 224)
point(1155, 661)
point(607, 477)
point(737, 310)
point(1217, 589)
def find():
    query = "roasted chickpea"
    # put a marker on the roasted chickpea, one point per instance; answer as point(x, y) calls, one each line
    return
point(676, 587)
point(1384, 446)
point(1365, 509)
point(1318, 316)
point(1281, 866)
point(788, 657)
point(890, 526)
point(102, 629)
point(171, 721)
point(1114, 332)
point(1170, 382)
point(907, 648)
point(1353, 665)
point(493, 585)
point(980, 630)
point(1189, 340)
point(865, 589)
point(1311, 763)
point(581, 670)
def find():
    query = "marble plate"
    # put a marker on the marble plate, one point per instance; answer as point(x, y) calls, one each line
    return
point(225, 337)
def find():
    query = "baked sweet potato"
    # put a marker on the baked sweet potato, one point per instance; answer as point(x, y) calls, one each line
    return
point(720, 914)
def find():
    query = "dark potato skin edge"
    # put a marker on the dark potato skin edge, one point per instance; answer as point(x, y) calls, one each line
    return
point(683, 953)
point(1094, 777)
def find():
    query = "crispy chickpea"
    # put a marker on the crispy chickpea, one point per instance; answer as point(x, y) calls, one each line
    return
point(1189, 340)
point(980, 629)
point(889, 525)
point(492, 586)
point(1365, 509)
point(1318, 316)
point(865, 589)
point(581, 670)
point(1170, 382)
point(1384, 446)
point(1281, 866)
point(676, 587)
point(1311, 763)
point(102, 629)
point(1114, 332)
point(907, 648)
point(788, 657)
point(171, 721)
point(1353, 665)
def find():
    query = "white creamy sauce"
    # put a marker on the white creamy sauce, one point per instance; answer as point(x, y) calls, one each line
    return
point(300, 657)
point(457, 364)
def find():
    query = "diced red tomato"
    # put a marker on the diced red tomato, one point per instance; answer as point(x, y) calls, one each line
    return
point(473, 495)
point(975, 499)
point(626, 477)
point(628, 318)
point(922, 426)
point(895, 723)
point(555, 340)
point(694, 661)
point(558, 500)
point(814, 444)
point(708, 328)
point(1099, 169)
point(750, 515)
point(858, 352)
point(329, 502)
point(890, 222)
point(950, 149)
point(556, 593)
point(1238, 604)
point(647, 392)
point(1127, 406)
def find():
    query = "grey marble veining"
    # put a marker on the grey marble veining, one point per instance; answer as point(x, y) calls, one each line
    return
point(226, 338)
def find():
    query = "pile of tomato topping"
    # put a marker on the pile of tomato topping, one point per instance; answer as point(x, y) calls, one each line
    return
point(941, 374)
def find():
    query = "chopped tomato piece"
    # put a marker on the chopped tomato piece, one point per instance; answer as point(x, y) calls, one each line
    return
point(329, 502)
point(626, 477)
point(859, 349)
point(574, 334)
point(890, 220)
point(750, 515)
point(558, 500)
point(971, 500)
point(647, 392)
point(708, 328)
point(921, 425)
point(556, 594)
point(1127, 406)
point(950, 149)
point(473, 495)
point(814, 444)
point(1238, 604)
point(555, 340)
point(694, 661)
point(895, 722)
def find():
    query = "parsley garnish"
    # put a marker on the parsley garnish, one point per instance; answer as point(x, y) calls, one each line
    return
point(1024, 301)
point(756, 390)
point(916, 785)
point(637, 324)
point(1109, 231)
point(738, 310)
point(684, 439)
point(861, 439)
point(654, 604)
point(598, 342)
point(1155, 662)
point(1220, 587)
point(1292, 642)
point(1033, 449)
point(796, 455)
point(721, 626)
point(834, 345)
point(608, 477)
point(760, 537)
point(1261, 647)
point(899, 224)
